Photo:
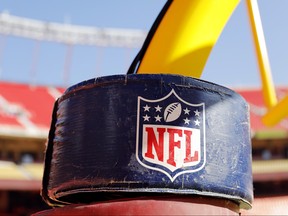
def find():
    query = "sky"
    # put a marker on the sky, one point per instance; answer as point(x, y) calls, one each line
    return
point(232, 62)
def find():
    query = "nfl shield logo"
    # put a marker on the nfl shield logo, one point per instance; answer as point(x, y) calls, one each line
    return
point(171, 135)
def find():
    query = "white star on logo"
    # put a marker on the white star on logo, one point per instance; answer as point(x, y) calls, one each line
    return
point(146, 108)
point(187, 111)
point(158, 108)
point(197, 113)
point(157, 118)
point(146, 117)
point(186, 121)
point(197, 122)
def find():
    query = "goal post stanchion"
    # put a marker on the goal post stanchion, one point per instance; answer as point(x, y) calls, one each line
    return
point(185, 37)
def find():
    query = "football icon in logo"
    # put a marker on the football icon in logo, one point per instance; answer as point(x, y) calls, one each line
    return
point(172, 112)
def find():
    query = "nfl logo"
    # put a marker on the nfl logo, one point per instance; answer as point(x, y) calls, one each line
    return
point(170, 135)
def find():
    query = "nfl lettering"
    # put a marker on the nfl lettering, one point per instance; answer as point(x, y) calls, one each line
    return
point(170, 135)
